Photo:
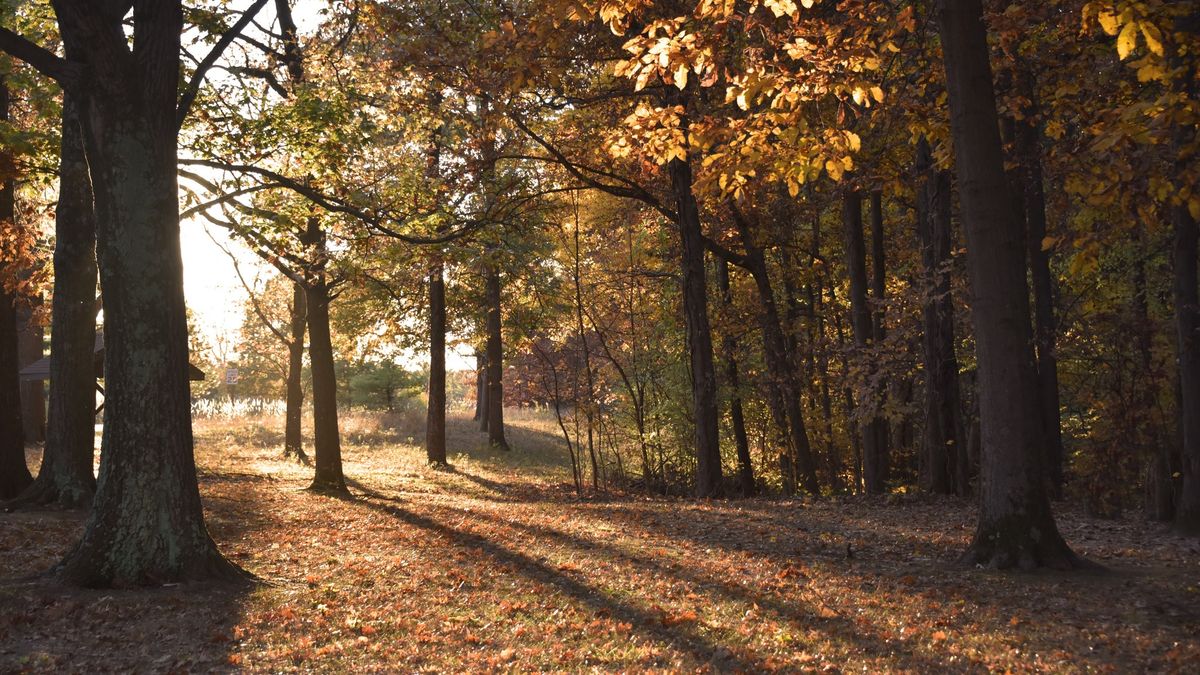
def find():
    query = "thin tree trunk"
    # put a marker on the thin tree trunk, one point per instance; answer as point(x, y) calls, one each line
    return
point(939, 461)
point(327, 447)
point(709, 481)
point(874, 468)
point(435, 425)
point(481, 389)
point(737, 417)
point(66, 474)
point(1187, 322)
point(886, 389)
point(293, 440)
point(1029, 153)
point(495, 361)
point(1016, 527)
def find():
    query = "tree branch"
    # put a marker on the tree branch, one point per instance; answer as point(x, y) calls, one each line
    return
point(39, 58)
point(227, 38)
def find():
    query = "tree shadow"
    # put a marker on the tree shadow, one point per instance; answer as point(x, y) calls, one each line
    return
point(46, 626)
point(794, 609)
point(680, 637)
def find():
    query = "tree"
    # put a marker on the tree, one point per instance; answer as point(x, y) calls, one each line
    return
point(147, 524)
point(1016, 527)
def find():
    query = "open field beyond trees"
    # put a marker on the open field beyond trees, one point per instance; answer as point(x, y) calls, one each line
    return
point(498, 566)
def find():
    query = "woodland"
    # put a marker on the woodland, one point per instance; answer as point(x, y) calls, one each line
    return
point(804, 335)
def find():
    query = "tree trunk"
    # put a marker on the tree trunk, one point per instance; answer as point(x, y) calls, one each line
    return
point(783, 370)
point(940, 463)
point(495, 362)
point(729, 351)
point(886, 390)
point(66, 474)
point(1029, 154)
point(1187, 322)
point(699, 337)
point(293, 439)
point(147, 524)
point(435, 421)
point(1016, 526)
point(481, 389)
point(874, 466)
point(327, 446)
point(14, 473)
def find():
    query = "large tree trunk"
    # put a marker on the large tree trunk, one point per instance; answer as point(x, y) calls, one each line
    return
point(147, 524)
point(435, 420)
point(495, 361)
point(481, 388)
point(293, 439)
point(14, 473)
point(1015, 523)
point(66, 474)
point(738, 419)
point(1029, 154)
point(940, 462)
point(699, 336)
point(874, 463)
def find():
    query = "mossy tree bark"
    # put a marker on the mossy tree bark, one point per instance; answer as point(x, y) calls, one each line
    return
point(1016, 527)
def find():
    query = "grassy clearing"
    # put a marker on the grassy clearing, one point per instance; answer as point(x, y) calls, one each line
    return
point(498, 566)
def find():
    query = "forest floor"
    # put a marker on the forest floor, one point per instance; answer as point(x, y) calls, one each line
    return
point(498, 566)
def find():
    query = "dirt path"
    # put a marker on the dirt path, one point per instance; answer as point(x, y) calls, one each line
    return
point(497, 566)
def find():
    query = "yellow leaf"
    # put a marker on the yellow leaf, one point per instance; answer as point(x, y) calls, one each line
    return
point(834, 169)
point(877, 92)
point(807, 3)
point(1194, 207)
point(1108, 22)
point(1153, 37)
point(857, 95)
point(1127, 40)
point(854, 141)
point(1048, 243)
point(681, 76)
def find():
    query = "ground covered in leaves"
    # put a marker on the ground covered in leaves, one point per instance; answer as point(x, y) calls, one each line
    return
point(497, 565)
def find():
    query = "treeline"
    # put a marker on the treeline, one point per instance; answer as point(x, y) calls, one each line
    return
point(738, 247)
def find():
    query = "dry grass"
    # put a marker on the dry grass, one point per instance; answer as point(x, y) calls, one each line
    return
point(497, 566)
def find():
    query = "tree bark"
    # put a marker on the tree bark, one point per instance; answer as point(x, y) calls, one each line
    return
point(940, 462)
point(14, 473)
point(293, 438)
point(709, 481)
point(435, 421)
point(495, 361)
point(147, 524)
point(65, 476)
point(1016, 527)
point(884, 442)
point(481, 388)
point(874, 463)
